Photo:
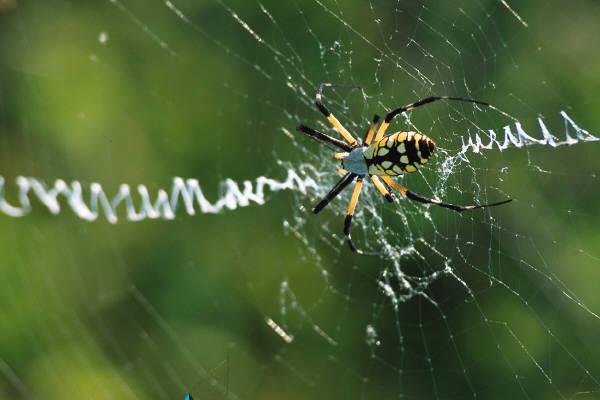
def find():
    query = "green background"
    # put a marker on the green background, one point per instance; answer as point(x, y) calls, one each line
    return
point(154, 309)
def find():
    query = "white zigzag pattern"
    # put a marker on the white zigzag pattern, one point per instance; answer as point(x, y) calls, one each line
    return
point(162, 205)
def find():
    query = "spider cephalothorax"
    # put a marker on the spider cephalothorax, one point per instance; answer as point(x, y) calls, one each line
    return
point(379, 157)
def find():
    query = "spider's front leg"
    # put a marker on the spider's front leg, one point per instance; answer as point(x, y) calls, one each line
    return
point(330, 117)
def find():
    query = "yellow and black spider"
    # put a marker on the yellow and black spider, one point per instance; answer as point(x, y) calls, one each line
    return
point(380, 157)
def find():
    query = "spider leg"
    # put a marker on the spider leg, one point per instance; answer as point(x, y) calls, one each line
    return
point(323, 138)
point(371, 131)
point(388, 188)
point(388, 118)
point(336, 190)
point(413, 196)
point(330, 117)
point(350, 213)
point(348, 221)
point(382, 189)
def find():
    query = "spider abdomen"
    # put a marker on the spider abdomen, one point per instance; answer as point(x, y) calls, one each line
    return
point(399, 153)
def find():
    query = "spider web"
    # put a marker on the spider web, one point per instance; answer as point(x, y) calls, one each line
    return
point(485, 304)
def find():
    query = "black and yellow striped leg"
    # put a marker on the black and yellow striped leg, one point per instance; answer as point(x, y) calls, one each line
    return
point(348, 221)
point(323, 138)
point(369, 136)
point(382, 189)
point(350, 213)
point(337, 189)
point(388, 118)
point(330, 117)
point(413, 196)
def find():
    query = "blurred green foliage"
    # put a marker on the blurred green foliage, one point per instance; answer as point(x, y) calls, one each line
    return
point(158, 308)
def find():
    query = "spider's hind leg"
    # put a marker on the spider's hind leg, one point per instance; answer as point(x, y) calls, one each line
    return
point(383, 188)
point(417, 197)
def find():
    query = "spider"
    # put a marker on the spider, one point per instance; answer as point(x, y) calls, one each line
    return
point(380, 158)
